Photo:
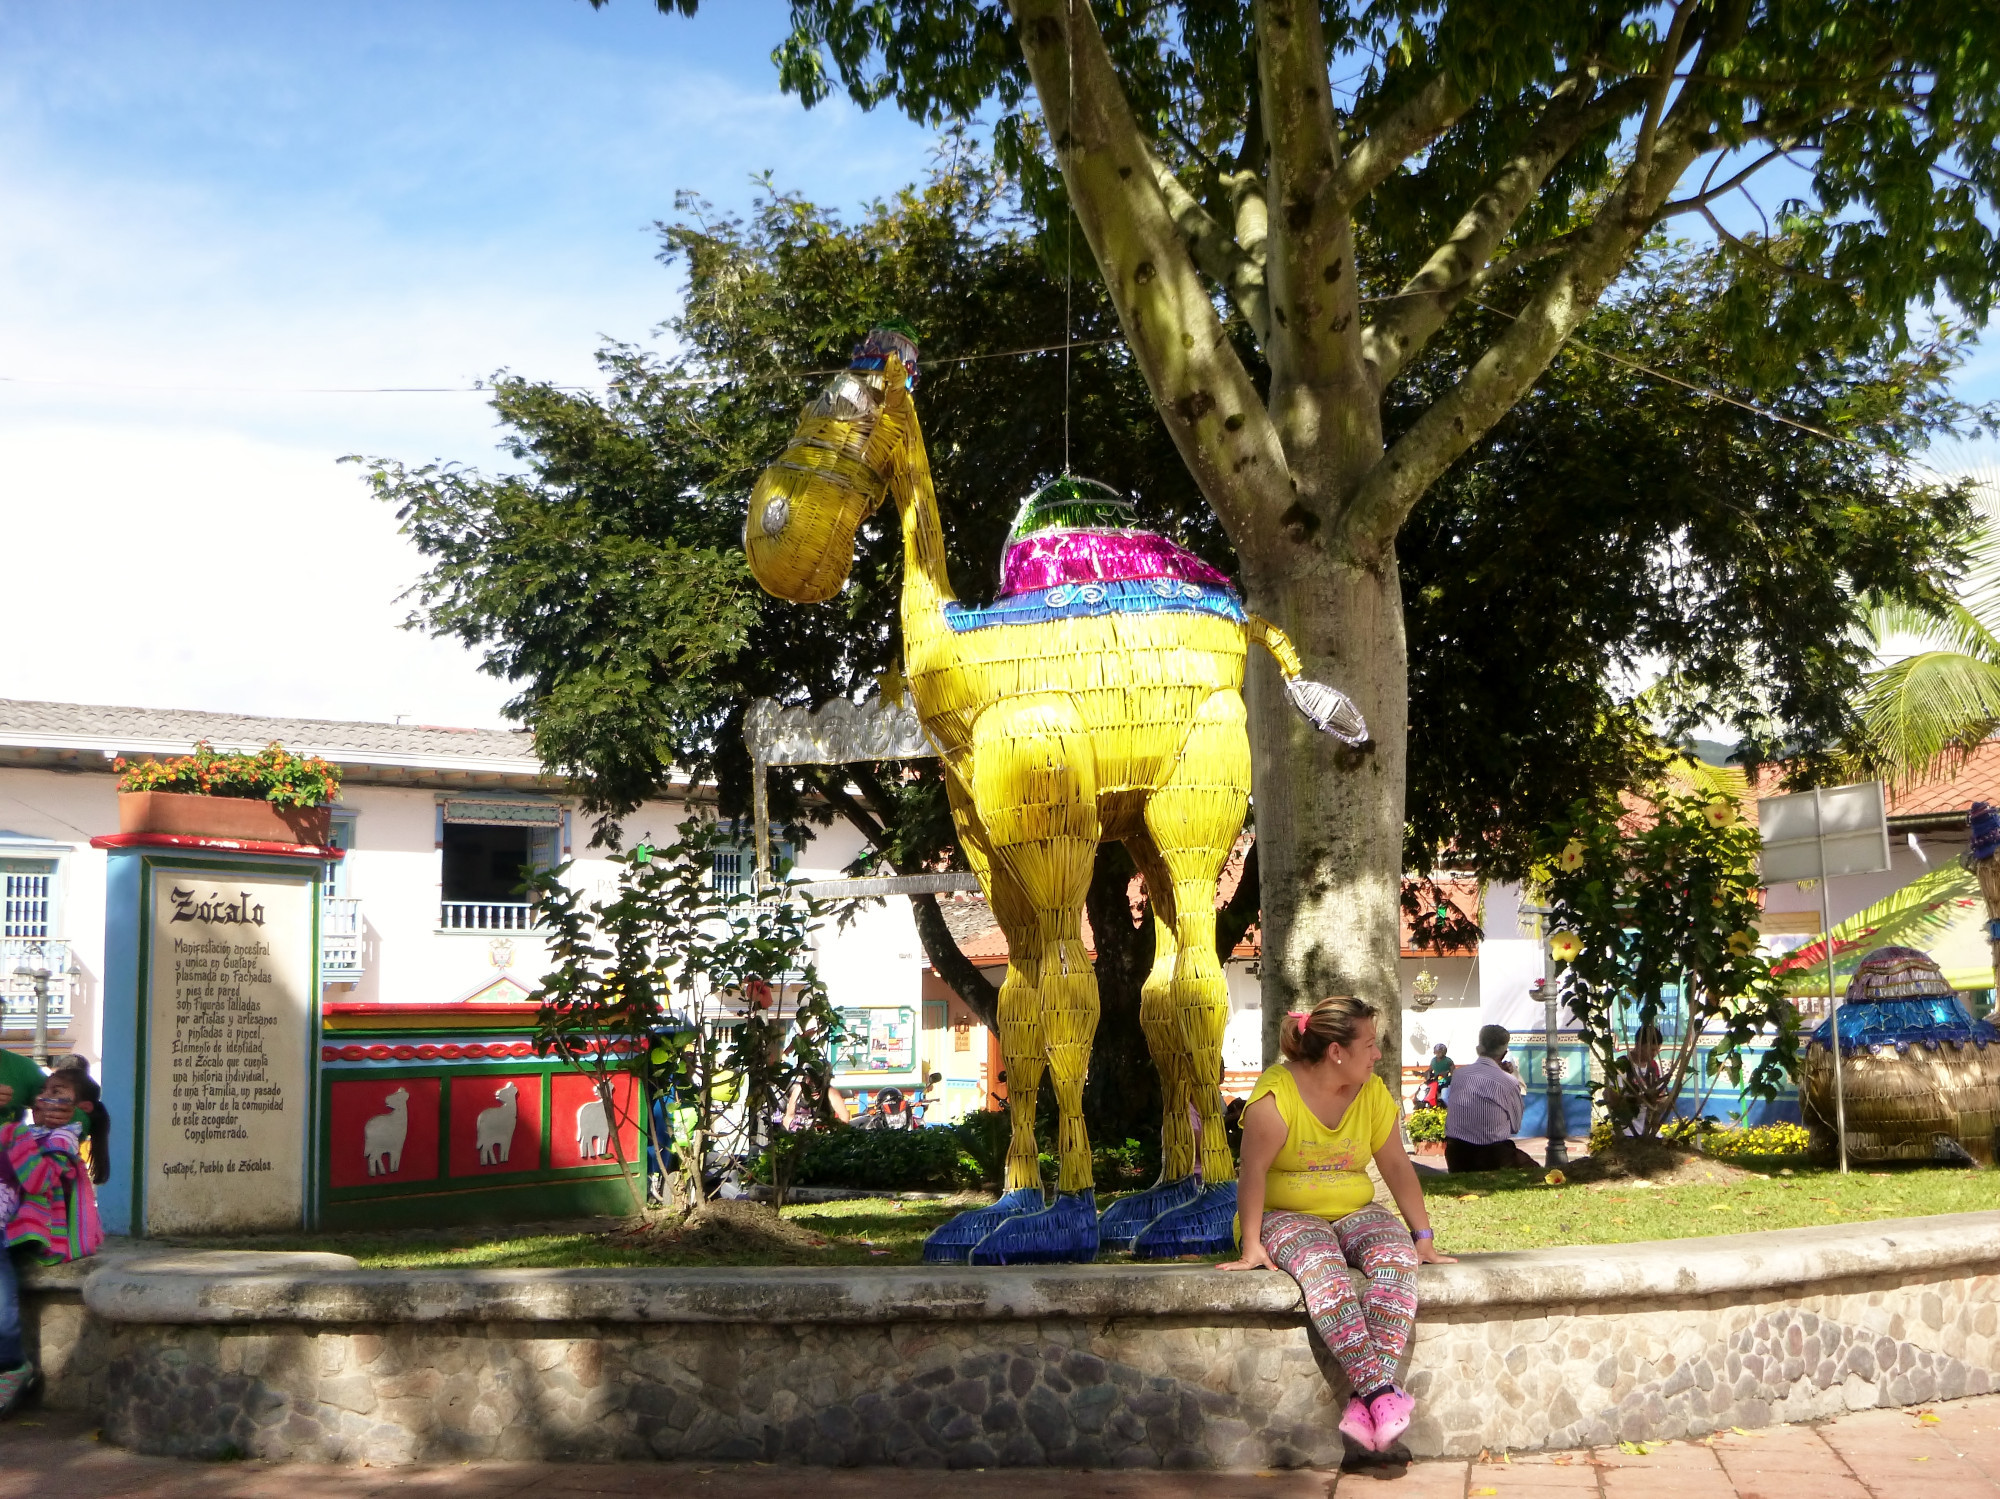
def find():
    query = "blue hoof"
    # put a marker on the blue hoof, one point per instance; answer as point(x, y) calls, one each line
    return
point(1063, 1233)
point(1205, 1226)
point(951, 1243)
point(1122, 1222)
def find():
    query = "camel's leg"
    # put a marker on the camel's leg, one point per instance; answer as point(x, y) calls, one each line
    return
point(1034, 784)
point(1157, 1016)
point(1194, 819)
point(1021, 1047)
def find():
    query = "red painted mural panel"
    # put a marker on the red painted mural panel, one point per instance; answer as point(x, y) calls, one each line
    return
point(384, 1132)
point(496, 1124)
point(580, 1125)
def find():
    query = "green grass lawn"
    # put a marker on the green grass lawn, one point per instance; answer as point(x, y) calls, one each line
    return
point(1518, 1210)
point(1488, 1211)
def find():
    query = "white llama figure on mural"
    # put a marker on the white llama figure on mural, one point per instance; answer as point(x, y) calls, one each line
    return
point(495, 1126)
point(593, 1129)
point(383, 1136)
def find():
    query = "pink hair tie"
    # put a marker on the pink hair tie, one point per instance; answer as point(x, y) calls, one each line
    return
point(1302, 1016)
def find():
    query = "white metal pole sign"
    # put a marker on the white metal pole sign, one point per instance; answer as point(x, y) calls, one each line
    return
point(1816, 835)
point(1847, 827)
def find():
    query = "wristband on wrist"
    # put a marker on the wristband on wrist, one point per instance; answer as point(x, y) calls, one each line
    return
point(1422, 1233)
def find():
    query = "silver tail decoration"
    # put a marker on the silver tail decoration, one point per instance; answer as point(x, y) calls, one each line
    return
point(1329, 710)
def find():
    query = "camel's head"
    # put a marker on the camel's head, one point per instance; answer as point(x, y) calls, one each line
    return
point(799, 533)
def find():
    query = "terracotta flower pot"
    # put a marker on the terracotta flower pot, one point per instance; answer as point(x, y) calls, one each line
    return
point(222, 817)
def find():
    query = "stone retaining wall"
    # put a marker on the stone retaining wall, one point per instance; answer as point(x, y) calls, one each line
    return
point(305, 1357)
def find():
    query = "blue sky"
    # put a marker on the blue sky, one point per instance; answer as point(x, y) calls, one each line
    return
point(211, 212)
point(213, 208)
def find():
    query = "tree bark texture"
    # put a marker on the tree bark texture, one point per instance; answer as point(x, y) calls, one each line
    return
point(1300, 476)
point(1330, 818)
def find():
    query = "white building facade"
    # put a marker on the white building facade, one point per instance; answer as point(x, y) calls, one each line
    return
point(438, 827)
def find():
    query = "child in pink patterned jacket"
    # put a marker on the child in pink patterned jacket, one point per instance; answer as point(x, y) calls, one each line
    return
point(47, 1205)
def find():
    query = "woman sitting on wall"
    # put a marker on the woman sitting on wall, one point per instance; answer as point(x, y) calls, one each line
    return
point(1307, 1206)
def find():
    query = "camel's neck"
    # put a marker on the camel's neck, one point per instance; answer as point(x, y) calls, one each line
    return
point(926, 583)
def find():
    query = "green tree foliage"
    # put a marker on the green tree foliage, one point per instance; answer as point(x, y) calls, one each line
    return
point(1624, 527)
point(1665, 899)
point(1938, 697)
point(603, 576)
point(1350, 189)
point(658, 982)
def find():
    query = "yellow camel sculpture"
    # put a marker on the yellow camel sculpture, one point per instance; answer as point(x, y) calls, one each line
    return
point(1064, 717)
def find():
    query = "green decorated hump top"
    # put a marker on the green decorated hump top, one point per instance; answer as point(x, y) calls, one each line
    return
point(1072, 502)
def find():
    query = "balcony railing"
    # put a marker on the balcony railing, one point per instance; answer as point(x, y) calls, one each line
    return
point(340, 940)
point(17, 995)
point(485, 916)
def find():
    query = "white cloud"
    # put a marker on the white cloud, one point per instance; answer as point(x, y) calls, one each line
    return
point(209, 210)
point(199, 568)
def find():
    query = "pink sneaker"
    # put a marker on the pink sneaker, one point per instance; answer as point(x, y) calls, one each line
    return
point(1390, 1413)
point(1358, 1424)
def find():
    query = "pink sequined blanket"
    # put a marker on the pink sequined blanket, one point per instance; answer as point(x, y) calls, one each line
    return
point(1048, 559)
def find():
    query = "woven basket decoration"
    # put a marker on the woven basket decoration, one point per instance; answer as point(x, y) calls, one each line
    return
point(1895, 973)
point(799, 534)
point(1099, 697)
point(1920, 1075)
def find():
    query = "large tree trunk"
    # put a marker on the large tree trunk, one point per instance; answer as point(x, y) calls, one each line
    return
point(1330, 818)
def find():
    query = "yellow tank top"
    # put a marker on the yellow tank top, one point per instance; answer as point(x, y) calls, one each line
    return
point(1319, 1170)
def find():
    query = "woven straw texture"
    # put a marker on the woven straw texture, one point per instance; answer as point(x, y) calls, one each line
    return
point(1065, 718)
point(1913, 1073)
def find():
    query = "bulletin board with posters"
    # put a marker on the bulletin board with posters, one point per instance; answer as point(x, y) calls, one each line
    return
point(876, 1041)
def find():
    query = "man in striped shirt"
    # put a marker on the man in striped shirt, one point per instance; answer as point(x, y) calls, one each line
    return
point(1483, 1110)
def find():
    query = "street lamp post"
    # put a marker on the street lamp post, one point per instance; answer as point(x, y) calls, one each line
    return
point(1557, 1153)
point(34, 967)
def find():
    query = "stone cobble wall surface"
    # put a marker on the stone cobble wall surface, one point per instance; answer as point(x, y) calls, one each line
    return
point(1129, 1392)
point(962, 1395)
point(310, 1357)
point(1657, 1371)
point(69, 1346)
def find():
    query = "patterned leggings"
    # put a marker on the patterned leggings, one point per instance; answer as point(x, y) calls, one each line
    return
point(1366, 1333)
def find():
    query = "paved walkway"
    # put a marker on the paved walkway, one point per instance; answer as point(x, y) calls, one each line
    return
point(1951, 1452)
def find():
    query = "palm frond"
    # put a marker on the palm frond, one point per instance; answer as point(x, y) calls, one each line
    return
point(1703, 779)
point(1926, 709)
point(1924, 712)
point(1956, 628)
point(1902, 918)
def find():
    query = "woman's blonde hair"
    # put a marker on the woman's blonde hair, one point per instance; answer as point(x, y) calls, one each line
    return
point(1334, 1021)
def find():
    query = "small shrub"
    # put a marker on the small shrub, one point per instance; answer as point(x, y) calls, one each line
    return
point(1762, 1139)
point(1426, 1125)
point(983, 1137)
point(1723, 1141)
point(886, 1160)
point(274, 774)
point(1120, 1168)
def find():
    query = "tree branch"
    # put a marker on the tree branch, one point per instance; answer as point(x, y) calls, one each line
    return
point(1309, 265)
point(1763, 256)
point(1656, 106)
point(1408, 129)
point(1515, 360)
point(1708, 195)
point(1216, 251)
point(1430, 297)
point(949, 961)
point(1206, 398)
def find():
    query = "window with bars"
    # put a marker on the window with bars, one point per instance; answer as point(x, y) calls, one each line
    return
point(729, 871)
point(27, 898)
